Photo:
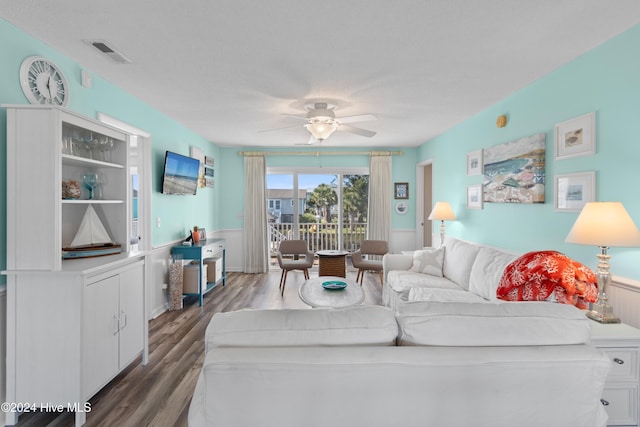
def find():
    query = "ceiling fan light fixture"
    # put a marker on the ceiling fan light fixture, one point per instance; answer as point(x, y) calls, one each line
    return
point(321, 129)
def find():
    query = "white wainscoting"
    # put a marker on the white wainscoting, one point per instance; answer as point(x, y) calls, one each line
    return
point(624, 296)
point(3, 349)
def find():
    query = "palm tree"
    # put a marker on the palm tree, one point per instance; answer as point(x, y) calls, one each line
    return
point(323, 197)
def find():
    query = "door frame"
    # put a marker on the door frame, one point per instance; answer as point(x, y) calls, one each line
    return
point(422, 193)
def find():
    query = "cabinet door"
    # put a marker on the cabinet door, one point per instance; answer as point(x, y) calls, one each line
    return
point(131, 313)
point(100, 333)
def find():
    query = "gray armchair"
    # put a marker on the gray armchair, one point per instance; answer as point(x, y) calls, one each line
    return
point(359, 260)
point(301, 259)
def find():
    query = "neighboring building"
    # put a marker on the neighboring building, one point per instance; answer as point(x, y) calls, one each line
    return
point(280, 204)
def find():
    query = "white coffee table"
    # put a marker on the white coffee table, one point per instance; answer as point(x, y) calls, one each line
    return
point(312, 293)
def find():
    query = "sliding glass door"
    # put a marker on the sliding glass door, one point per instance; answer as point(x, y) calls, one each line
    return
point(327, 209)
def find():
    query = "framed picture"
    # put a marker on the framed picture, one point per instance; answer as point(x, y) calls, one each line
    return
point(474, 162)
point(197, 153)
point(573, 190)
point(576, 137)
point(402, 208)
point(208, 172)
point(209, 161)
point(209, 182)
point(401, 190)
point(514, 172)
point(474, 196)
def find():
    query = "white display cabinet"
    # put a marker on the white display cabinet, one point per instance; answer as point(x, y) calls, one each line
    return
point(72, 324)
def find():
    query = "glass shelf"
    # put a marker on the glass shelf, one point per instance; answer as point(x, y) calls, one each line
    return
point(68, 159)
point(91, 202)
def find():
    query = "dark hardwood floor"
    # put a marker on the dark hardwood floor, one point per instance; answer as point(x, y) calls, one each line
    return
point(159, 393)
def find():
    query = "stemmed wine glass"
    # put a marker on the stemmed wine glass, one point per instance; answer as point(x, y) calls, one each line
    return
point(106, 145)
point(91, 181)
point(91, 143)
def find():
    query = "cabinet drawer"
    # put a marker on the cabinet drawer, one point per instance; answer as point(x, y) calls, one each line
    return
point(624, 363)
point(621, 405)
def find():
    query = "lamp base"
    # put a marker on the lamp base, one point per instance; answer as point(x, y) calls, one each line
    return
point(602, 313)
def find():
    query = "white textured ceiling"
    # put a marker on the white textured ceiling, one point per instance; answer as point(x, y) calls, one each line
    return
point(228, 69)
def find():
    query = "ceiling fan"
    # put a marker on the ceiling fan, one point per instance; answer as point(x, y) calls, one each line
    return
point(322, 122)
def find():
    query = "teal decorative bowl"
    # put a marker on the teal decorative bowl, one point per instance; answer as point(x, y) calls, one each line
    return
point(334, 285)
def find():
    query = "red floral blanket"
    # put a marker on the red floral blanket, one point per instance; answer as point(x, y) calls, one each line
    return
point(535, 276)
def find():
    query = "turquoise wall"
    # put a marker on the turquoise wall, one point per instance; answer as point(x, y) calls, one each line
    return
point(177, 213)
point(403, 170)
point(605, 80)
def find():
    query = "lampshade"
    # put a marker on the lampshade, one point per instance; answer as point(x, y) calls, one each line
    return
point(604, 224)
point(321, 129)
point(442, 211)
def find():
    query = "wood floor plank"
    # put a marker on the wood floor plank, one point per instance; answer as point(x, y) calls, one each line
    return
point(159, 393)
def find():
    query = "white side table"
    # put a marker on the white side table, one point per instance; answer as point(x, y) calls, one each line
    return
point(621, 395)
point(312, 293)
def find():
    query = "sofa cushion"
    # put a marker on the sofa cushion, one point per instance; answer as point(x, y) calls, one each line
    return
point(487, 270)
point(458, 259)
point(401, 280)
point(360, 325)
point(428, 261)
point(443, 295)
point(491, 324)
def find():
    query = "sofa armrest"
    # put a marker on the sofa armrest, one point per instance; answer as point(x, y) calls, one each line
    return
point(396, 262)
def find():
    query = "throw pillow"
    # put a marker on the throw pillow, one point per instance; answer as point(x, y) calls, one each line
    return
point(537, 276)
point(428, 261)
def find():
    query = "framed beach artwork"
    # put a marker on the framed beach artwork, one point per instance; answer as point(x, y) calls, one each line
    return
point(574, 190)
point(514, 171)
point(474, 163)
point(576, 137)
point(474, 196)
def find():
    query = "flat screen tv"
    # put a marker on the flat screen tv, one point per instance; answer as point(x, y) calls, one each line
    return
point(180, 174)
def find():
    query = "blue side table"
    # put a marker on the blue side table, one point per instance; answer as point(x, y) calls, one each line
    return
point(199, 251)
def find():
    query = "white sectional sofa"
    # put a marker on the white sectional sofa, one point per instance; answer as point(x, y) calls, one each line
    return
point(427, 363)
point(459, 272)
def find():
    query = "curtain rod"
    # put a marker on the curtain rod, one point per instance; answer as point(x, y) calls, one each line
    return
point(319, 153)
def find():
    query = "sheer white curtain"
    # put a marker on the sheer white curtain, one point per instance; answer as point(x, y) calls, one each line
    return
point(255, 237)
point(380, 195)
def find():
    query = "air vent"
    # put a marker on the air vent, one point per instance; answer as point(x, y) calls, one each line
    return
point(109, 51)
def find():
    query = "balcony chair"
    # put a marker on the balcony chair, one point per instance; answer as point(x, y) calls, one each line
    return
point(369, 247)
point(294, 247)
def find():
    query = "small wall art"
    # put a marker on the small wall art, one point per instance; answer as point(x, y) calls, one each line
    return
point(474, 196)
point(401, 190)
point(474, 163)
point(574, 190)
point(197, 153)
point(576, 137)
point(514, 171)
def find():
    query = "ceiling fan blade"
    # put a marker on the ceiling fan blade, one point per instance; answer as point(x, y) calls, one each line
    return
point(357, 131)
point(276, 129)
point(295, 116)
point(312, 140)
point(358, 118)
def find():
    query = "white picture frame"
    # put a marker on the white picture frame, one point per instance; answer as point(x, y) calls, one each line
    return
point(574, 190)
point(474, 196)
point(402, 208)
point(474, 163)
point(576, 137)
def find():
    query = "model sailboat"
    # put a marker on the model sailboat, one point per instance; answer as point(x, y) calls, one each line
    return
point(91, 239)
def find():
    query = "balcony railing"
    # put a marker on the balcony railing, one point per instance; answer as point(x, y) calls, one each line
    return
point(319, 237)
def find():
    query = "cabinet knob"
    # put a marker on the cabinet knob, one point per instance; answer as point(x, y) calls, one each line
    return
point(618, 361)
point(604, 402)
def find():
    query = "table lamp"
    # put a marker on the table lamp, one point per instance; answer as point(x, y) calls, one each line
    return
point(442, 211)
point(604, 224)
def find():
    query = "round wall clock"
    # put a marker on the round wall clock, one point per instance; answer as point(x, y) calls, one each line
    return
point(43, 82)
